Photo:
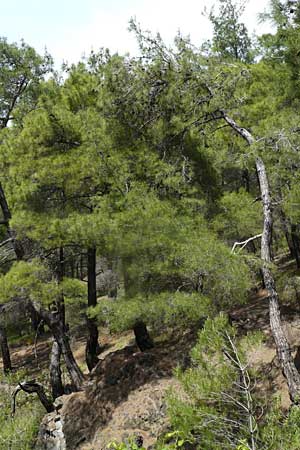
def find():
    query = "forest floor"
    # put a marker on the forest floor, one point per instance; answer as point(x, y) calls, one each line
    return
point(126, 393)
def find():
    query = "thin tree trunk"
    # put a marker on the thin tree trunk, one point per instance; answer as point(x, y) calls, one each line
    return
point(37, 322)
point(59, 332)
point(142, 336)
point(296, 244)
point(92, 345)
point(60, 273)
point(55, 357)
point(75, 373)
point(282, 346)
point(17, 245)
point(19, 251)
point(55, 372)
point(285, 227)
point(246, 179)
point(7, 367)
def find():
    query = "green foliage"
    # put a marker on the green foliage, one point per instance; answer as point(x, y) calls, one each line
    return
point(240, 216)
point(34, 280)
point(130, 444)
point(208, 410)
point(132, 156)
point(230, 36)
point(166, 308)
point(281, 431)
point(21, 70)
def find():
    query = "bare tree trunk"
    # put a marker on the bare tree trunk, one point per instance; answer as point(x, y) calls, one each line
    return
point(282, 346)
point(92, 345)
point(59, 332)
point(7, 367)
point(55, 372)
point(142, 336)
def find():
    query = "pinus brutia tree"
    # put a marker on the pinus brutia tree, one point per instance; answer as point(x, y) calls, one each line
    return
point(143, 161)
point(21, 71)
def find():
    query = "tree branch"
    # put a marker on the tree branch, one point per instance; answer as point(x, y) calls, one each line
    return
point(244, 243)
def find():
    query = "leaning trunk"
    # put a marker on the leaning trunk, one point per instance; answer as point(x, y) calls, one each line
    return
point(282, 346)
point(62, 340)
point(92, 345)
point(5, 351)
point(55, 372)
point(142, 336)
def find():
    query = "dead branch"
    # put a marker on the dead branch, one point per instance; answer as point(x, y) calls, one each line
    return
point(32, 387)
point(244, 243)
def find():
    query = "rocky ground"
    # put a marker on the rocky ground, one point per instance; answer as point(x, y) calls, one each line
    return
point(125, 394)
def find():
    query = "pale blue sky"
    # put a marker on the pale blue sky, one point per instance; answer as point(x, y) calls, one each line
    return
point(70, 28)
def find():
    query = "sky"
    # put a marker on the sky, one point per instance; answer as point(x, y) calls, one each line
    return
point(71, 28)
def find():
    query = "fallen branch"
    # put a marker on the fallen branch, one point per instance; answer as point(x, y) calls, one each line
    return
point(32, 387)
point(244, 243)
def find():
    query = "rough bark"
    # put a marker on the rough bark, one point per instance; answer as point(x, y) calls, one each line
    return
point(142, 336)
point(55, 357)
point(92, 346)
point(55, 372)
point(282, 346)
point(7, 367)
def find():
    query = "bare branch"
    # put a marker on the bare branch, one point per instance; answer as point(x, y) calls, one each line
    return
point(244, 243)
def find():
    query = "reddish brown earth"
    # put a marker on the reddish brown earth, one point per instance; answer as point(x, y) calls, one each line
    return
point(125, 395)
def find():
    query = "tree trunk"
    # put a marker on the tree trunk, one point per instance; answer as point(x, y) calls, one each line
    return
point(19, 251)
point(246, 180)
point(76, 375)
point(92, 345)
point(296, 244)
point(60, 273)
point(142, 336)
point(5, 351)
point(37, 322)
point(55, 372)
point(285, 228)
point(282, 346)
point(60, 335)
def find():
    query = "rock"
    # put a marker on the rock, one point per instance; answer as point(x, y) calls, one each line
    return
point(51, 436)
